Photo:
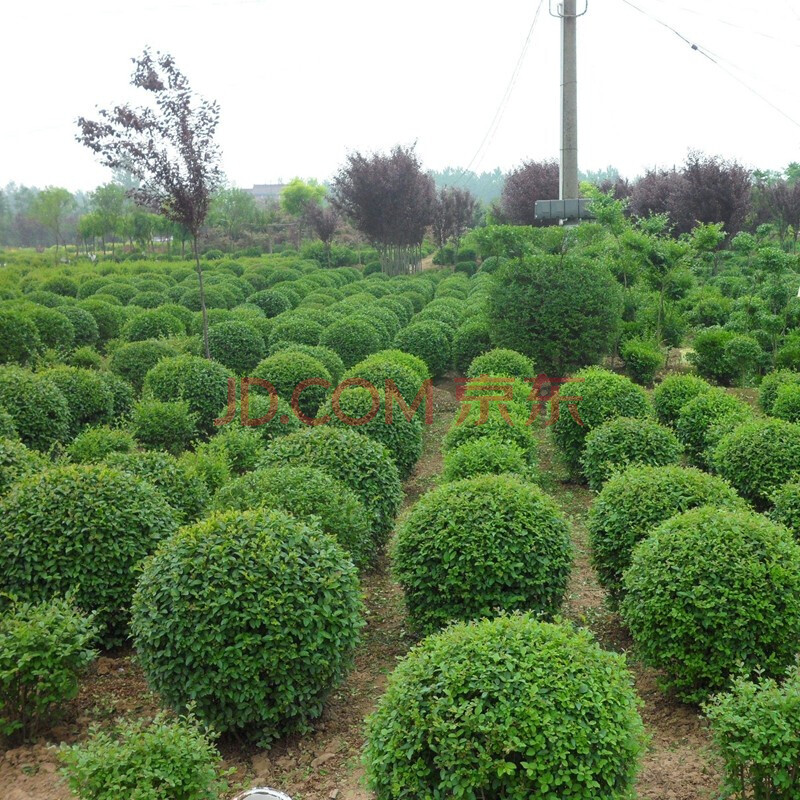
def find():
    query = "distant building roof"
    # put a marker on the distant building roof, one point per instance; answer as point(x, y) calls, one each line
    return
point(267, 191)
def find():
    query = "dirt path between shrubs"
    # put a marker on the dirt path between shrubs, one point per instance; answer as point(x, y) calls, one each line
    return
point(326, 764)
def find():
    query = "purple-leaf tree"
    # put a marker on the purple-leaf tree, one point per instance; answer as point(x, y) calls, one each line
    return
point(168, 146)
point(324, 221)
point(534, 180)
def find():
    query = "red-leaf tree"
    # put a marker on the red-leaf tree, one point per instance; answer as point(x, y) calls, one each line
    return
point(168, 146)
point(453, 215)
point(390, 201)
point(534, 180)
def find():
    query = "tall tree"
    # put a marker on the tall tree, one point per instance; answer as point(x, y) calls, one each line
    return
point(108, 202)
point(534, 180)
point(390, 201)
point(324, 221)
point(168, 146)
point(783, 201)
point(234, 210)
point(50, 209)
point(453, 215)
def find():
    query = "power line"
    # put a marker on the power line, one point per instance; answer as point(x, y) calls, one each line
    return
point(714, 60)
point(498, 116)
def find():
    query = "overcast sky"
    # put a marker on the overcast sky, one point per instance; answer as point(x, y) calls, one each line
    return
point(301, 82)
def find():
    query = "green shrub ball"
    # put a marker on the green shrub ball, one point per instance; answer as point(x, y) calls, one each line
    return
point(486, 456)
point(352, 339)
point(768, 391)
point(19, 338)
point(305, 493)
point(713, 593)
point(481, 544)
point(97, 442)
point(427, 341)
point(502, 362)
point(133, 360)
point(673, 393)
point(236, 346)
point(639, 499)
point(286, 370)
point(82, 529)
point(257, 642)
point(471, 340)
point(510, 707)
point(16, 462)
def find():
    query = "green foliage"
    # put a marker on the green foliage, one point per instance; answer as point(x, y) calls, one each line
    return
point(564, 312)
point(277, 610)
point(787, 402)
point(758, 457)
point(17, 461)
point(495, 427)
point(307, 494)
point(7, 428)
point(768, 391)
point(296, 327)
point(427, 341)
point(85, 358)
point(352, 339)
point(502, 362)
point(152, 324)
point(88, 396)
point(236, 346)
point(713, 592)
point(486, 456)
point(82, 529)
point(673, 393)
point(55, 330)
point(161, 425)
point(786, 506)
point(324, 355)
point(242, 447)
point(470, 341)
point(788, 357)
point(756, 728)
point(96, 442)
point(84, 326)
point(19, 338)
point(488, 709)
point(710, 356)
point(703, 420)
point(270, 302)
point(285, 370)
point(619, 443)
point(634, 502)
point(168, 759)
point(643, 359)
point(203, 384)
point(362, 464)
point(604, 396)
point(44, 648)
point(134, 360)
point(470, 547)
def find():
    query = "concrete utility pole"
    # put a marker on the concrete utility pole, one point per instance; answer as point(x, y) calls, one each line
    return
point(569, 100)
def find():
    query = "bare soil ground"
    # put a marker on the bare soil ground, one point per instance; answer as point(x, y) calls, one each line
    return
point(326, 765)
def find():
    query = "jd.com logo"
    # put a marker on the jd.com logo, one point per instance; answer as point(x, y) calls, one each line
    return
point(470, 392)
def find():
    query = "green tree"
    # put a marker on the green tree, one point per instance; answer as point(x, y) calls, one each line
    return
point(108, 202)
point(50, 209)
point(297, 197)
point(233, 210)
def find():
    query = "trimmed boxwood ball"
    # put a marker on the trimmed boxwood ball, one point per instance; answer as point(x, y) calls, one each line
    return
point(286, 370)
point(89, 398)
point(786, 506)
point(151, 324)
point(704, 420)
point(324, 355)
point(82, 529)
point(377, 371)
point(713, 593)
point(352, 339)
point(768, 391)
point(277, 612)
point(99, 441)
point(241, 446)
point(203, 384)
point(502, 362)
point(402, 437)
point(758, 457)
point(83, 324)
point(19, 338)
point(16, 462)
point(634, 502)
point(471, 340)
point(183, 489)
point(428, 341)
point(619, 443)
point(361, 463)
point(787, 403)
point(487, 456)
point(307, 494)
point(283, 422)
point(510, 707)
point(164, 425)
point(236, 346)
point(476, 545)
point(296, 327)
point(604, 396)
point(134, 360)
point(109, 318)
point(673, 393)
point(55, 330)
point(38, 407)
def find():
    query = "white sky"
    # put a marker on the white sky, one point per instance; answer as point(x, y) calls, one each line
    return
point(300, 82)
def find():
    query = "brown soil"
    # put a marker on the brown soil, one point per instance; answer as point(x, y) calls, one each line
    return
point(325, 765)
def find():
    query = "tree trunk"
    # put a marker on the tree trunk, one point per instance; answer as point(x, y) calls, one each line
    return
point(202, 296)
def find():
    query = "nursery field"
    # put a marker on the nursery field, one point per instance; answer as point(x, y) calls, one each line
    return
point(526, 526)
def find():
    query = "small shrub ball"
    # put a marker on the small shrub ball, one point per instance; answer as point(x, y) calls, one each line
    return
point(428, 341)
point(502, 362)
point(510, 707)
point(258, 640)
point(480, 544)
point(486, 456)
point(713, 593)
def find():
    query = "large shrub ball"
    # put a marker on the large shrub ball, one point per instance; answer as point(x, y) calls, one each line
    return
point(510, 707)
point(307, 494)
point(712, 593)
point(639, 499)
point(133, 360)
point(603, 396)
point(352, 339)
point(401, 358)
point(787, 403)
point(486, 456)
point(236, 346)
point(502, 362)
point(83, 323)
point(324, 355)
point(673, 393)
point(622, 442)
point(164, 425)
point(703, 421)
point(476, 545)
point(361, 463)
point(427, 341)
point(365, 409)
point(152, 324)
point(201, 383)
point(19, 338)
point(296, 327)
point(770, 384)
point(37, 406)
point(82, 529)
point(16, 462)
point(377, 371)
point(242, 447)
point(758, 457)
point(257, 644)
point(267, 419)
point(55, 330)
point(286, 370)
point(89, 397)
point(471, 339)
point(786, 506)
